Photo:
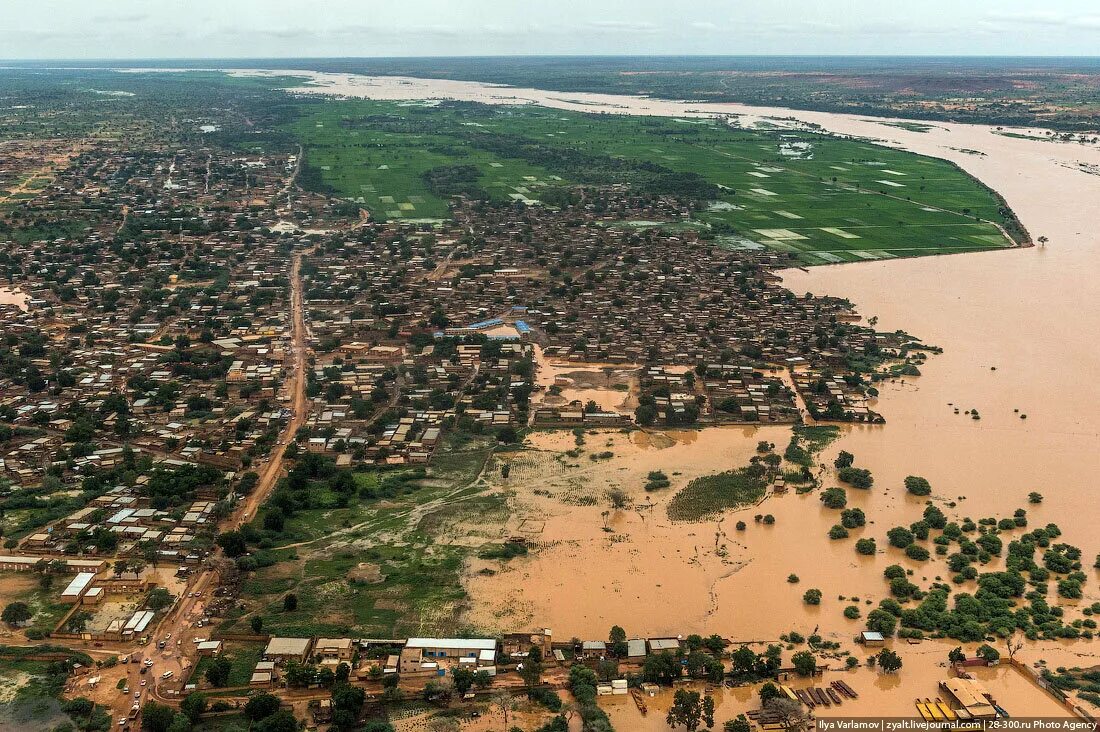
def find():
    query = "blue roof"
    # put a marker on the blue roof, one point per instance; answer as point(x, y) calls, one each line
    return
point(485, 323)
point(522, 327)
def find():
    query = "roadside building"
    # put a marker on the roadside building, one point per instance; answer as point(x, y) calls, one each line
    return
point(281, 650)
point(419, 652)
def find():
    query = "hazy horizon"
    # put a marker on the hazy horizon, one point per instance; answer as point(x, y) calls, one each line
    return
point(134, 29)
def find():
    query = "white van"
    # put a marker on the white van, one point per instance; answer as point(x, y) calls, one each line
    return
point(166, 675)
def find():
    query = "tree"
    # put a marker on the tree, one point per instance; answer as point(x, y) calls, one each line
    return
point(739, 724)
point(788, 712)
point(834, 498)
point(531, 668)
point(917, 485)
point(1014, 643)
point(661, 668)
point(217, 673)
point(956, 655)
point(463, 679)
point(193, 706)
point(881, 621)
point(281, 721)
point(900, 537)
point(232, 543)
point(768, 692)
point(347, 701)
point(889, 661)
point(16, 613)
point(77, 622)
point(257, 624)
point(866, 546)
point(988, 653)
point(156, 717)
point(856, 477)
point(686, 710)
point(804, 663)
point(180, 723)
point(483, 679)
point(618, 646)
point(812, 596)
point(502, 700)
point(290, 603)
point(158, 599)
point(844, 460)
point(261, 706)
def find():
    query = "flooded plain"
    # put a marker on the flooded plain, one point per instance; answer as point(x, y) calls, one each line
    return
point(1018, 328)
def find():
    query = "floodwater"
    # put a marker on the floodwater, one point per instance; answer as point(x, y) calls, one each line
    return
point(880, 695)
point(17, 298)
point(1018, 328)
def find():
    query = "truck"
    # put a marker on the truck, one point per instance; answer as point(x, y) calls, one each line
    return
point(134, 710)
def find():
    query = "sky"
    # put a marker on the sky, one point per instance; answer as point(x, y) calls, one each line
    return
point(119, 29)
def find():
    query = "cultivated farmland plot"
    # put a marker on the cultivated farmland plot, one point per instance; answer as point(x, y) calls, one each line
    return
point(819, 198)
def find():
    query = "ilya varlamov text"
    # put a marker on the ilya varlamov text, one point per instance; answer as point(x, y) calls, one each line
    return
point(903, 725)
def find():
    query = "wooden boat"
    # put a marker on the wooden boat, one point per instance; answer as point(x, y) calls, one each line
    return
point(843, 686)
point(948, 712)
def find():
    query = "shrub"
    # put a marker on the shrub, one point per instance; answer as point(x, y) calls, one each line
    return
point(812, 596)
point(851, 612)
point(834, 498)
point(900, 537)
point(804, 663)
point(866, 547)
point(856, 477)
point(934, 517)
point(880, 621)
point(917, 485)
point(852, 518)
point(893, 571)
point(838, 532)
point(916, 551)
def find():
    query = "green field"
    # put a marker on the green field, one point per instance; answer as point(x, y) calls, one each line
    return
point(820, 198)
point(381, 566)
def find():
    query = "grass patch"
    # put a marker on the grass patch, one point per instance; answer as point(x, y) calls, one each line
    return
point(242, 656)
point(711, 494)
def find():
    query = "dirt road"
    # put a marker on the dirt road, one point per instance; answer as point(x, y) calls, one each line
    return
point(178, 630)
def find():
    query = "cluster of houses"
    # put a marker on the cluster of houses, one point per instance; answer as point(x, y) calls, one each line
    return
point(156, 311)
point(181, 535)
point(829, 396)
point(431, 657)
